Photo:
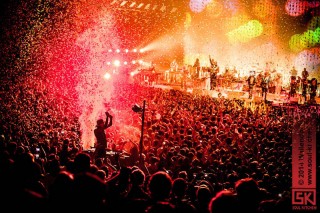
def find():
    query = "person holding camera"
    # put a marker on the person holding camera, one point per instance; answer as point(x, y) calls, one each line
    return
point(101, 138)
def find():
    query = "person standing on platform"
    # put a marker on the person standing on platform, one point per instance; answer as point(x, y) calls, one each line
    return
point(173, 71)
point(214, 69)
point(197, 68)
point(251, 82)
point(184, 77)
point(313, 90)
point(278, 84)
point(304, 82)
point(100, 135)
point(293, 72)
point(293, 86)
point(265, 85)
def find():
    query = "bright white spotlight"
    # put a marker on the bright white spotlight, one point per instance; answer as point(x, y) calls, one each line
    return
point(135, 50)
point(117, 50)
point(132, 73)
point(127, 50)
point(141, 50)
point(140, 61)
point(110, 50)
point(107, 76)
point(125, 63)
point(108, 63)
point(116, 63)
point(140, 5)
point(134, 62)
point(123, 3)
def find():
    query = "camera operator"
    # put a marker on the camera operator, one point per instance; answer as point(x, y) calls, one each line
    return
point(101, 139)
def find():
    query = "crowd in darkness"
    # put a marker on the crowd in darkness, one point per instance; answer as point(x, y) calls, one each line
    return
point(201, 154)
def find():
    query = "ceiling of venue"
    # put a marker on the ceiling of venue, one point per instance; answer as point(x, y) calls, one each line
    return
point(283, 30)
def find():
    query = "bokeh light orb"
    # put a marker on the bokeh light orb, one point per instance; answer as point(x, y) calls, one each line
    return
point(311, 56)
point(246, 32)
point(294, 43)
point(317, 34)
point(314, 23)
point(264, 9)
point(198, 6)
point(254, 28)
point(214, 8)
point(296, 7)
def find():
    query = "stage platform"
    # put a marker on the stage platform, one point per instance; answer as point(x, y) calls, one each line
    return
point(275, 99)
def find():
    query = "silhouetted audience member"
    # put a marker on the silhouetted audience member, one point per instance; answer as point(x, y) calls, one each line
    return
point(179, 197)
point(61, 192)
point(160, 186)
point(224, 201)
point(137, 180)
point(249, 195)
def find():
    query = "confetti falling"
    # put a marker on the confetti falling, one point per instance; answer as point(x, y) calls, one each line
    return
point(64, 44)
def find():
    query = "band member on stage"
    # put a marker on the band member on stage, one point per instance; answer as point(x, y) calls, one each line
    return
point(265, 85)
point(100, 135)
point(278, 83)
point(293, 86)
point(304, 81)
point(293, 71)
point(227, 77)
point(197, 68)
point(313, 90)
point(258, 84)
point(251, 82)
point(173, 68)
point(214, 70)
point(185, 73)
point(206, 77)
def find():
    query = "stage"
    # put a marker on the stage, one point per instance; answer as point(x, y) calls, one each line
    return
point(274, 99)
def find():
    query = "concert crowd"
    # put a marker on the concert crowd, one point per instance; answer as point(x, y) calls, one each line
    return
point(200, 154)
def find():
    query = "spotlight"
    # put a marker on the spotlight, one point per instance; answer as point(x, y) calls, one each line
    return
point(107, 76)
point(123, 3)
point(132, 4)
point(135, 50)
point(140, 5)
point(117, 50)
point(116, 63)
